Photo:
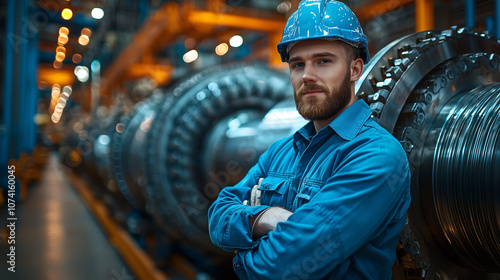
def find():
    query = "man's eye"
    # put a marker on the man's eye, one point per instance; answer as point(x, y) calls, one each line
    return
point(297, 65)
point(324, 60)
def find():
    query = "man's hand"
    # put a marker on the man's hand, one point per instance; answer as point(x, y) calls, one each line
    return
point(266, 220)
point(255, 195)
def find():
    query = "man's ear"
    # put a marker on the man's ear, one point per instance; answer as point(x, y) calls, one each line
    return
point(356, 69)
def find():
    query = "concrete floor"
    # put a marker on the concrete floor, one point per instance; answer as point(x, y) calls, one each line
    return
point(56, 236)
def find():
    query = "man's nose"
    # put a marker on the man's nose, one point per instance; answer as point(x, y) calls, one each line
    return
point(309, 74)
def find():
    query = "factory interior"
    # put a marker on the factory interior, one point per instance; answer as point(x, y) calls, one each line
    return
point(122, 120)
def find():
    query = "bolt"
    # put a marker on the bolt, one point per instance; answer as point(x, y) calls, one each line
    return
point(414, 248)
point(408, 146)
point(420, 118)
point(428, 97)
point(450, 73)
point(494, 61)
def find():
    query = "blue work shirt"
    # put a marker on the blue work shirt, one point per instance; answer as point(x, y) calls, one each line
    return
point(348, 187)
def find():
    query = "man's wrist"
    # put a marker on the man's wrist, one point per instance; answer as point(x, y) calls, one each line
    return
point(268, 219)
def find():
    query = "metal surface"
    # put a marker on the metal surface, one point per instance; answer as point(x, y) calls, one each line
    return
point(128, 142)
point(465, 178)
point(394, 69)
point(178, 188)
point(241, 138)
point(418, 128)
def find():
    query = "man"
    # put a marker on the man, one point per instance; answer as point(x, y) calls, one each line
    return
point(329, 201)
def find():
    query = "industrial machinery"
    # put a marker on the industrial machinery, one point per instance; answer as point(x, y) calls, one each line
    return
point(438, 92)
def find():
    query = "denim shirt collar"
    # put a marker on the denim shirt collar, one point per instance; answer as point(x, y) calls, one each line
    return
point(347, 125)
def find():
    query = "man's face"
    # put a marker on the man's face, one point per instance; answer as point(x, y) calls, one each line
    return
point(321, 78)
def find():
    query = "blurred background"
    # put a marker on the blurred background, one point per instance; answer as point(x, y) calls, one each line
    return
point(121, 121)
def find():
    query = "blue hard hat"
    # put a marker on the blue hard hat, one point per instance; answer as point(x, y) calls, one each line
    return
point(323, 19)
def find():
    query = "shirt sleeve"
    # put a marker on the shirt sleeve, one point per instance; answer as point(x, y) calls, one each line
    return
point(354, 206)
point(228, 217)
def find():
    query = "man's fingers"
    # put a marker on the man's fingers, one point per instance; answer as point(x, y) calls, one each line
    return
point(253, 195)
point(258, 195)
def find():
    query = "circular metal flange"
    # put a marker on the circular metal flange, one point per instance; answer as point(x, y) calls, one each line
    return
point(128, 150)
point(419, 126)
point(395, 70)
point(176, 184)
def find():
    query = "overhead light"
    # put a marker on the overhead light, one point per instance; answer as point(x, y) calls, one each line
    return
point(61, 49)
point(86, 31)
point(284, 7)
point(62, 39)
point(97, 13)
point(57, 64)
point(190, 56)
point(60, 56)
point(236, 41)
point(56, 91)
point(82, 73)
point(95, 66)
point(76, 58)
point(83, 40)
point(221, 49)
point(68, 90)
point(67, 14)
point(104, 139)
point(55, 118)
point(64, 30)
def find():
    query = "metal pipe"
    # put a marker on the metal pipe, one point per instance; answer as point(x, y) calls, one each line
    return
point(497, 18)
point(424, 15)
point(5, 130)
point(22, 97)
point(469, 13)
point(463, 179)
point(32, 90)
point(490, 24)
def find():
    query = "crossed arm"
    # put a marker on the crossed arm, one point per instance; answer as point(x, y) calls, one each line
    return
point(267, 219)
point(320, 230)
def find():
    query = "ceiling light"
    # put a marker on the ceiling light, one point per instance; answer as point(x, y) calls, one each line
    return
point(97, 13)
point(77, 58)
point(68, 90)
point(236, 41)
point(221, 49)
point(95, 66)
point(57, 64)
point(190, 56)
point(86, 31)
point(67, 14)
point(61, 49)
point(83, 40)
point(82, 73)
point(284, 7)
point(62, 39)
point(60, 56)
point(64, 30)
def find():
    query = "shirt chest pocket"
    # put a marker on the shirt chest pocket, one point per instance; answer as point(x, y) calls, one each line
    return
point(272, 191)
point(306, 192)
